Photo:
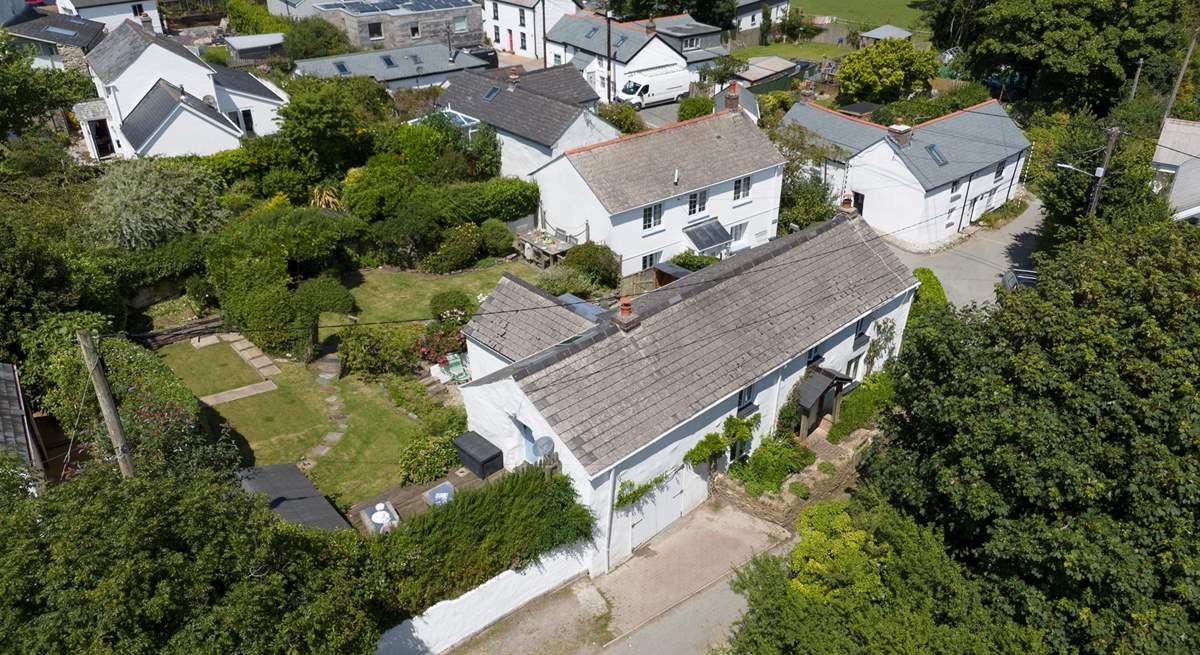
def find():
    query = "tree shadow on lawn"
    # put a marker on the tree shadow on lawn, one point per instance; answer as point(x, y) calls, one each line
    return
point(216, 424)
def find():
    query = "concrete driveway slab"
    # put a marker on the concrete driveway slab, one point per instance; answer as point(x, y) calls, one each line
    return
point(660, 115)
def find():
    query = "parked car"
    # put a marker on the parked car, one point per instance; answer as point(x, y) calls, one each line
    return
point(1019, 277)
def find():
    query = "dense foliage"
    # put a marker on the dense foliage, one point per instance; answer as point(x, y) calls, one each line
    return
point(380, 349)
point(452, 306)
point(863, 578)
point(559, 279)
point(248, 17)
point(34, 282)
point(923, 108)
point(141, 203)
point(885, 71)
point(596, 260)
point(805, 198)
point(863, 405)
point(461, 247)
point(694, 107)
point(693, 261)
point(1052, 439)
point(622, 116)
point(497, 238)
point(27, 93)
point(324, 293)
point(930, 295)
point(777, 457)
point(313, 36)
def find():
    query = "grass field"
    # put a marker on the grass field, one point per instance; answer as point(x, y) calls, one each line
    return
point(806, 50)
point(208, 370)
point(281, 425)
point(864, 14)
point(396, 296)
point(364, 462)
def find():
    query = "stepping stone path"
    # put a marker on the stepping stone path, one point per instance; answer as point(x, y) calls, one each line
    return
point(329, 369)
point(249, 353)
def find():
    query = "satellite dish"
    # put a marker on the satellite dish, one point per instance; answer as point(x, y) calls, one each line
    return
point(544, 446)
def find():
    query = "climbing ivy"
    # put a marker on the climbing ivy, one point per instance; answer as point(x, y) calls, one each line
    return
point(629, 492)
point(714, 443)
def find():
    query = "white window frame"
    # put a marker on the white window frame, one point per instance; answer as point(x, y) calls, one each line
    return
point(496, 11)
point(557, 60)
point(745, 396)
point(814, 354)
point(691, 43)
point(1000, 170)
point(378, 26)
point(137, 9)
point(521, 19)
point(955, 185)
point(496, 31)
point(852, 366)
point(737, 232)
point(650, 259)
point(741, 188)
point(651, 217)
point(698, 202)
point(454, 23)
point(523, 46)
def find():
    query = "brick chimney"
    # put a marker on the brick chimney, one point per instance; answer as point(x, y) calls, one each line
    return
point(514, 76)
point(899, 133)
point(146, 22)
point(624, 318)
point(651, 28)
point(732, 96)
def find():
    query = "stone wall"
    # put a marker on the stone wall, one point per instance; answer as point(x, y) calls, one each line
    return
point(432, 27)
point(72, 58)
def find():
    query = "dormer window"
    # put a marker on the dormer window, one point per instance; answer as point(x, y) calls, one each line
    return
point(691, 43)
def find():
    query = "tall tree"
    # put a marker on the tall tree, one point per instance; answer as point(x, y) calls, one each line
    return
point(885, 71)
point(142, 203)
point(27, 93)
point(1053, 439)
point(314, 36)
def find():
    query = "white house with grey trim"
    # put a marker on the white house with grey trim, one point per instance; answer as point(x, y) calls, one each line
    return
point(520, 26)
point(115, 12)
point(621, 397)
point(920, 185)
point(156, 97)
point(710, 185)
point(748, 15)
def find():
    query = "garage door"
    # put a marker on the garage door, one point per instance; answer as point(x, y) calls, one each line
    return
point(657, 511)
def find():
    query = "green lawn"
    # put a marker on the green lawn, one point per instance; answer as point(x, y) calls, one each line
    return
point(365, 461)
point(866, 14)
point(398, 296)
point(804, 50)
point(281, 425)
point(208, 370)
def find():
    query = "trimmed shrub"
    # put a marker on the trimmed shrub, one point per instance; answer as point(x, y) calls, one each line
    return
point(930, 295)
point(497, 240)
point(427, 457)
point(179, 257)
point(439, 340)
point(454, 306)
point(596, 260)
point(417, 146)
point(694, 107)
point(693, 261)
point(379, 350)
point(325, 294)
point(140, 203)
point(559, 279)
point(502, 198)
point(461, 247)
point(622, 116)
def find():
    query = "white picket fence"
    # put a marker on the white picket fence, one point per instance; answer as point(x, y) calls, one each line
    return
point(450, 622)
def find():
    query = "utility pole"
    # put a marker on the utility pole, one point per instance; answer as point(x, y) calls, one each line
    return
point(608, 82)
point(1113, 133)
point(108, 406)
point(1137, 76)
point(1187, 59)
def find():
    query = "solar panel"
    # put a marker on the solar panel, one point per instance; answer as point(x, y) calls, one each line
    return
point(61, 30)
point(387, 61)
point(591, 33)
point(938, 157)
point(491, 94)
point(341, 67)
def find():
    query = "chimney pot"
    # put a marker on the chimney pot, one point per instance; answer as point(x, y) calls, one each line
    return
point(626, 307)
point(732, 97)
point(624, 319)
point(847, 201)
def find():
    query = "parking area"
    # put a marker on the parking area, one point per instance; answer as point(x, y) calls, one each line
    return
point(660, 115)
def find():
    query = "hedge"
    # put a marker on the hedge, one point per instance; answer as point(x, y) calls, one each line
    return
point(324, 294)
point(502, 198)
point(693, 261)
point(597, 260)
point(379, 350)
point(771, 463)
point(456, 547)
point(497, 239)
point(461, 247)
point(862, 405)
point(930, 294)
point(560, 279)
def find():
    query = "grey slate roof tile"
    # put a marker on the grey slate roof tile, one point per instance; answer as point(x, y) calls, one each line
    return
point(57, 28)
point(705, 336)
point(562, 83)
point(156, 106)
point(513, 110)
point(518, 320)
point(1177, 138)
point(639, 169)
point(431, 59)
point(1185, 188)
point(14, 428)
point(588, 32)
point(242, 82)
point(125, 44)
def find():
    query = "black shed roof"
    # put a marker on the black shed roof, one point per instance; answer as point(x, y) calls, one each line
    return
point(290, 495)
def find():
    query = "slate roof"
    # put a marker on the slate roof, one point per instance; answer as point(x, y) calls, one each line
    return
point(431, 59)
point(291, 496)
point(704, 337)
point(125, 44)
point(679, 25)
point(766, 66)
point(57, 28)
point(251, 41)
point(574, 29)
point(242, 82)
point(15, 437)
point(518, 320)
point(746, 98)
point(887, 32)
point(969, 140)
point(707, 234)
point(1177, 135)
point(580, 60)
point(756, 4)
point(1185, 188)
point(96, 3)
point(562, 83)
point(516, 111)
point(639, 169)
point(394, 7)
point(157, 105)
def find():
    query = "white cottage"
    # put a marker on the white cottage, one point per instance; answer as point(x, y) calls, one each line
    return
point(748, 15)
point(710, 184)
point(920, 185)
point(520, 26)
point(637, 50)
point(158, 98)
point(621, 397)
point(537, 115)
point(115, 12)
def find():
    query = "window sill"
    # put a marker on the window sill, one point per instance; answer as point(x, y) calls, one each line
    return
point(376, 38)
point(747, 410)
point(742, 201)
point(652, 232)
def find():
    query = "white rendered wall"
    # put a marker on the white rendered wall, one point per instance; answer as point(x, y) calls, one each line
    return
point(265, 113)
point(188, 133)
point(482, 360)
point(778, 12)
point(450, 622)
point(113, 15)
point(510, 19)
point(157, 63)
point(519, 156)
point(567, 203)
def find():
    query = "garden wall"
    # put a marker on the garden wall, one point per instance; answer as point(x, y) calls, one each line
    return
point(452, 621)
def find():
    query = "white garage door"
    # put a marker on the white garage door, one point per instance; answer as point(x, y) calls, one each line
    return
point(657, 511)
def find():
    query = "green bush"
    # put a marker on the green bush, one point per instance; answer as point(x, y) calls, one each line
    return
point(559, 279)
point(439, 340)
point(247, 17)
point(694, 107)
point(379, 350)
point(461, 247)
point(770, 464)
point(597, 260)
point(313, 36)
point(180, 257)
point(1004, 213)
point(502, 198)
point(427, 457)
point(416, 145)
point(497, 240)
point(380, 189)
point(216, 54)
point(622, 116)
point(325, 294)
point(200, 293)
point(827, 468)
point(930, 295)
point(693, 261)
point(800, 490)
point(141, 203)
point(54, 333)
point(862, 405)
point(454, 306)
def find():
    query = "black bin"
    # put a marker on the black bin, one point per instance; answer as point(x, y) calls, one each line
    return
point(479, 455)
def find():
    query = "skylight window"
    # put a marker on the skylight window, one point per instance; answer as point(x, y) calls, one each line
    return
point(491, 94)
point(341, 68)
point(620, 39)
point(61, 30)
point(591, 33)
point(938, 157)
point(387, 61)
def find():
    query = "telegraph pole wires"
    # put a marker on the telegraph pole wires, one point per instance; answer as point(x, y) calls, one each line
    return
point(1113, 133)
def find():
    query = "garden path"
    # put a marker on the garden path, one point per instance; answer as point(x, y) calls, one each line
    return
point(249, 354)
point(329, 369)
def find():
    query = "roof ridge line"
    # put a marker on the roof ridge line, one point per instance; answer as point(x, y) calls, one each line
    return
point(844, 116)
point(656, 130)
point(964, 110)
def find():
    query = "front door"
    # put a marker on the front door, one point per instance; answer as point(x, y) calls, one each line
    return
point(102, 138)
point(510, 42)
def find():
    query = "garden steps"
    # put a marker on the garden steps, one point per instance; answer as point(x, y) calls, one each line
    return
point(239, 393)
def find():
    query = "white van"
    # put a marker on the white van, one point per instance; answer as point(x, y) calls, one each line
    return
point(653, 88)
